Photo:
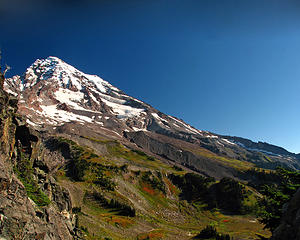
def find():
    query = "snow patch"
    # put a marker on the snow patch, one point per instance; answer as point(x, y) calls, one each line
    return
point(62, 116)
point(212, 136)
point(139, 129)
point(123, 111)
point(31, 123)
point(227, 141)
point(99, 82)
point(111, 99)
point(160, 120)
point(100, 123)
point(186, 126)
point(70, 98)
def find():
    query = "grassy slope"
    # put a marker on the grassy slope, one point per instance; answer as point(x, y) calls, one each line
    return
point(159, 213)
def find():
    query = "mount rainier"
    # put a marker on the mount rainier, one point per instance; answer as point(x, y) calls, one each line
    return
point(57, 98)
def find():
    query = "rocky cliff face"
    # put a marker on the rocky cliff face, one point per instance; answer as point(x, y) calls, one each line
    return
point(32, 204)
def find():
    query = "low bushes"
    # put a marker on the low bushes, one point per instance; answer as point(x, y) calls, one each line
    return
point(155, 182)
point(80, 168)
point(228, 194)
point(210, 232)
point(193, 186)
point(122, 209)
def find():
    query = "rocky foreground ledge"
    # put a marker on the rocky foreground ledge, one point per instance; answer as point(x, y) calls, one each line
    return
point(25, 168)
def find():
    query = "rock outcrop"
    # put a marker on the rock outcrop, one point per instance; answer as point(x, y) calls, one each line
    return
point(32, 204)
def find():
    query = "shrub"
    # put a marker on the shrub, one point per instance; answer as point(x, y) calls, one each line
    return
point(276, 195)
point(177, 168)
point(122, 208)
point(76, 168)
point(101, 179)
point(210, 232)
point(124, 168)
point(193, 186)
point(76, 210)
point(139, 152)
point(229, 195)
point(155, 182)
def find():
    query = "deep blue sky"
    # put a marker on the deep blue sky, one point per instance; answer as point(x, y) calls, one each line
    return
point(230, 67)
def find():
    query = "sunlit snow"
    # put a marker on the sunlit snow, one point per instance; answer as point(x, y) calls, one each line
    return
point(227, 141)
point(124, 111)
point(62, 116)
point(70, 98)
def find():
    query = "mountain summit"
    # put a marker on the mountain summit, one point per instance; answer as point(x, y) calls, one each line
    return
point(57, 98)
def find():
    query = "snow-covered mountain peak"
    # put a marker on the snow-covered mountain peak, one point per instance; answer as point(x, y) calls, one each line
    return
point(54, 70)
point(52, 92)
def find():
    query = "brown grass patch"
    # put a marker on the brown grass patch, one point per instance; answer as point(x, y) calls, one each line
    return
point(146, 188)
point(151, 235)
point(124, 222)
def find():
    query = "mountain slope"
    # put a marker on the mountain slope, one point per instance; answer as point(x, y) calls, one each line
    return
point(56, 97)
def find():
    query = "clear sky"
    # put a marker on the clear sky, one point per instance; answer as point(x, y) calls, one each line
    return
point(231, 67)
